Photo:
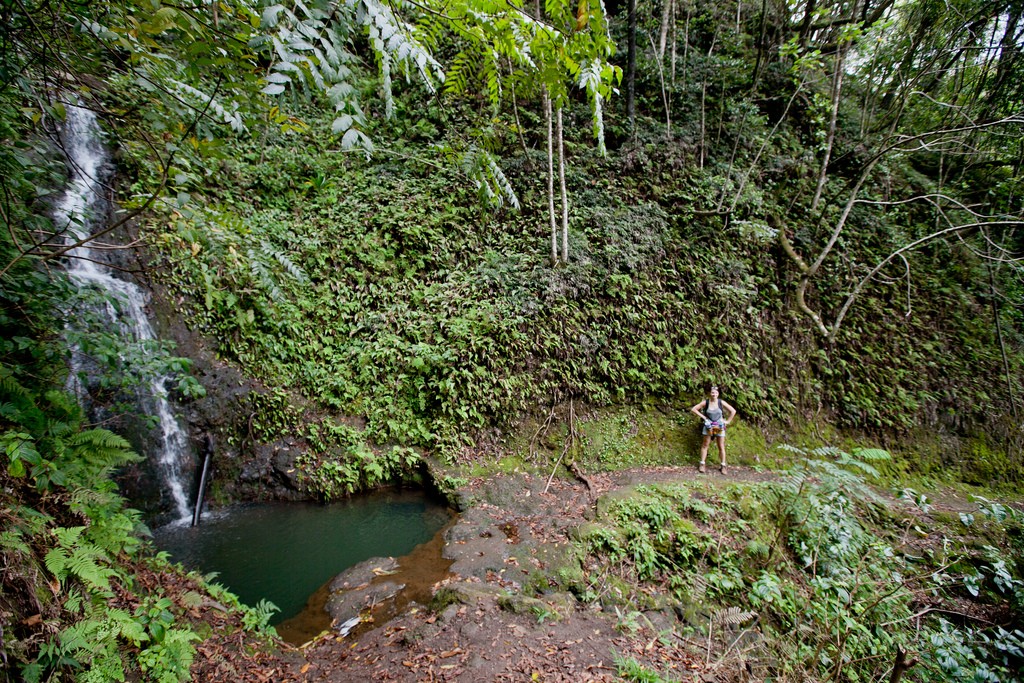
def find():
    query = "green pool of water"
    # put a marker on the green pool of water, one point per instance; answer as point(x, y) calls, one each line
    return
point(284, 552)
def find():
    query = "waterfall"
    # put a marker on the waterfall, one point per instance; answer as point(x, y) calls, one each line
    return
point(79, 211)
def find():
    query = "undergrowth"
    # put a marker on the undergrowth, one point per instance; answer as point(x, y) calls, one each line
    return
point(381, 290)
point(817, 576)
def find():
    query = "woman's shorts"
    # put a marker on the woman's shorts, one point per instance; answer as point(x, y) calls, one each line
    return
point(706, 432)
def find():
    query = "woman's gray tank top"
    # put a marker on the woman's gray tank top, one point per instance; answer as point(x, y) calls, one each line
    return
point(715, 414)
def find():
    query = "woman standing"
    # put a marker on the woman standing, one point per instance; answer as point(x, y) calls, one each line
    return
point(712, 410)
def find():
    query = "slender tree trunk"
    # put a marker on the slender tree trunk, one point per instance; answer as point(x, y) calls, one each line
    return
point(703, 102)
point(551, 179)
point(631, 66)
point(664, 94)
point(561, 183)
point(675, 43)
point(762, 32)
point(686, 43)
point(721, 114)
point(703, 95)
point(667, 11)
point(837, 86)
point(515, 111)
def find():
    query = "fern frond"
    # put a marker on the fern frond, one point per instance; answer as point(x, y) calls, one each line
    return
point(203, 102)
point(262, 275)
point(698, 587)
point(100, 438)
point(290, 266)
point(13, 542)
point(393, 39)
point(872, 454)
point(458, 74)
point(591, 80)
point(11, 386)
point(732, 616)
point(492, 80)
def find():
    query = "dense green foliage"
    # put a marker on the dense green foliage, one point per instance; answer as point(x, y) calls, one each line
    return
point(409, 306)
point(381, 290)
point(835, 579)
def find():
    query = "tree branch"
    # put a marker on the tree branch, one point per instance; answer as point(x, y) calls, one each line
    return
point(916, 243)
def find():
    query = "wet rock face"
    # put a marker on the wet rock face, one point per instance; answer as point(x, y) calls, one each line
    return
point(243, 468)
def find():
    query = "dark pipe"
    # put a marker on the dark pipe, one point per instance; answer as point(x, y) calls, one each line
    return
point(202, 481)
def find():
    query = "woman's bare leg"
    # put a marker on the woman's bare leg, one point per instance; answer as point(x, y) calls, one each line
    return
point(704, 450)
point(721, 451)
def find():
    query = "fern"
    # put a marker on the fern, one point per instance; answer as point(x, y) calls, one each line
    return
point(12, 541)
point(12, 387)
point(74, 559)
point(459, 73)
point(308, 44)
point(698, 588)
point(285, 262)
point(732, 616)
point(593, 78)
point(492, 79)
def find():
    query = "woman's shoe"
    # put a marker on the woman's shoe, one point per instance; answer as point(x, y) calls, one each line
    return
point(721, 468)
point(701, 468)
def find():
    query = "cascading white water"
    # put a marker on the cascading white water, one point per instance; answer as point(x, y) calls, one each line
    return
point(79, 211)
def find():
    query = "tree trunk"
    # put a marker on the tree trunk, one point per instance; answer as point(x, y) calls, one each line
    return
point(994, 294)
point(551, 179)
point(667, 12)
point(762, 32)
point(631, 66)
point(664, 95)
point(675, 43)
point(561, 183)
point(515, 111)
point(837, 86)
point(703, 95)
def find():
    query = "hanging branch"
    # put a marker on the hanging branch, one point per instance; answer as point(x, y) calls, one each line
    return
point(999, 330)
point(541, 430)
point(569, 440)
point(927, 141)
point(45, 256)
